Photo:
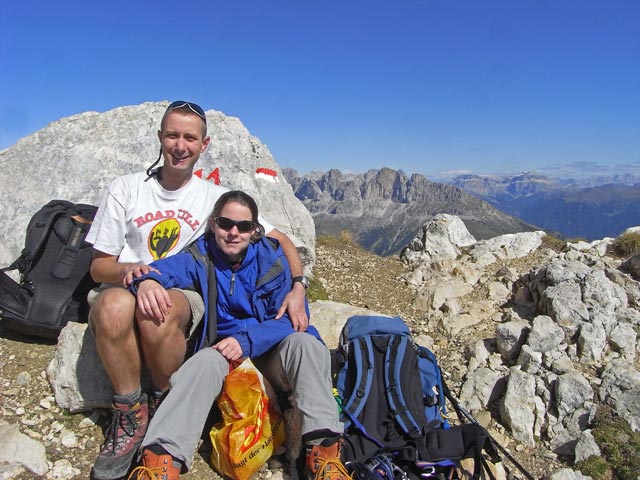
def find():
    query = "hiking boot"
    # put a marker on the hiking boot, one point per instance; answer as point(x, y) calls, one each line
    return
point(122, 439)
point(155, 467)
point(323, 461)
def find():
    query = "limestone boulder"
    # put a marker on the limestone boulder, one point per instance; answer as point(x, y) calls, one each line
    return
point(75, 159)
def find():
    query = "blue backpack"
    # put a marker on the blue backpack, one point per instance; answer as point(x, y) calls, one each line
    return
point(392, 400)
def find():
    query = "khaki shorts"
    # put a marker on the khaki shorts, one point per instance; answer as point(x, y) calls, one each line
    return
point(195, 302)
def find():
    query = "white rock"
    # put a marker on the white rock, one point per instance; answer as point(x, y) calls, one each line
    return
point(23, 378)
point(16, 449)
point(68, 439)
point(57, 427)
point(62, 470)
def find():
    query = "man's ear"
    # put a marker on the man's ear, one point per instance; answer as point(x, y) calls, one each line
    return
point(160, 135)
point(205, 143)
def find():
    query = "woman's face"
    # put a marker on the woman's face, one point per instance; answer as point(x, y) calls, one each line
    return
point(233, 239)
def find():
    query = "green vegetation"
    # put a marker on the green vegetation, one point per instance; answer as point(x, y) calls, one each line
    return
point(343, 238)
point(619, 446)
point(553, 243)
point(316, 291)
point(346, 237)
point(596, 468)
point(627, 245)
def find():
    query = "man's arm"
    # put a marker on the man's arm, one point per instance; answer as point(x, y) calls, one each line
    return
point(105, 268)
point(294, 301)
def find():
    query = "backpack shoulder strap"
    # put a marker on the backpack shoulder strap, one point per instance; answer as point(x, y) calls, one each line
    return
point(397, 349)
point(210, 324)
point(362, 354)
point(431, 370)
point(363, 359)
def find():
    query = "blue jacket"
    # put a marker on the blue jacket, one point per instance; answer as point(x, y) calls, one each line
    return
point(248, 298)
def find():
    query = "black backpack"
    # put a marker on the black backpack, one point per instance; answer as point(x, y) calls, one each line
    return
point(54, 272)
point(392, 399)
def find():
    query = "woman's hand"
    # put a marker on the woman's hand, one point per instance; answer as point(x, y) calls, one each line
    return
point(229, 348)
point(153, 300)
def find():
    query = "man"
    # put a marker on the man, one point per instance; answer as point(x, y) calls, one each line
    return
point(145, 217)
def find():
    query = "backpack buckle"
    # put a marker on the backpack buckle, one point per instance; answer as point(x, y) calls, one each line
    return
point(430, 400)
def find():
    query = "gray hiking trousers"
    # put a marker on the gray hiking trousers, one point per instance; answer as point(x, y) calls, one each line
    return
point(300, 366)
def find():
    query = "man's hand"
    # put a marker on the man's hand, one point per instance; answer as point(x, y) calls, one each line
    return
point(293, 304)
point(229, 348)
point(134, 270)
point(153, 300)
point(105, 268)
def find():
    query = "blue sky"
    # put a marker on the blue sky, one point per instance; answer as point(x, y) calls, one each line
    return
point(419, 85)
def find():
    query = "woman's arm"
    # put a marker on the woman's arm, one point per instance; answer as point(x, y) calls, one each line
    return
point(260, 338)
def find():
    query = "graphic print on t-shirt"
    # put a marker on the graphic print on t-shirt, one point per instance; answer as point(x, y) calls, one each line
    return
point(163, 237)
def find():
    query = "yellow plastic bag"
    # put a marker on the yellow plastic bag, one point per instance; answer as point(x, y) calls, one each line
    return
point(251, 427)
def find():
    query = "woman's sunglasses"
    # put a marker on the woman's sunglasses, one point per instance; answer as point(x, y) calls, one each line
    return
point(243, 226)
point(195, 108)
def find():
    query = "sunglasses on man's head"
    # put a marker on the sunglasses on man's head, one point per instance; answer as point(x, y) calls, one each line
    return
point(243, 226)
point(195, 108)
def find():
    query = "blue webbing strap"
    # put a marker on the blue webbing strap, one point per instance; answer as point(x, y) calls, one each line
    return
point(396, 349)
point(362, 352)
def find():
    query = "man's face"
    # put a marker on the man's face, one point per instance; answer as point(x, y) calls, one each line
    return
point(182, 141)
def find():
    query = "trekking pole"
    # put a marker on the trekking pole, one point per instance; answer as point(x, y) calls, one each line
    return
point(460, 409)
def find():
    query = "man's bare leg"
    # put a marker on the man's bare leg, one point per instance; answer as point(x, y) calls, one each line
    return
point(112, 322)
point(164, 343)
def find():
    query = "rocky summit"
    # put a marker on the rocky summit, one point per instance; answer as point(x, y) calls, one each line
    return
point(538, 345)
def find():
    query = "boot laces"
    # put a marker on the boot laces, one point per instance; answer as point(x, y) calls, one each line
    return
point(146, 473)
point(331, 469)
point(127, 421)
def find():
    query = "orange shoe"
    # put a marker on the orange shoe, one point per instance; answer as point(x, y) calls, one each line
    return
point(155, 467)
point(323, 461)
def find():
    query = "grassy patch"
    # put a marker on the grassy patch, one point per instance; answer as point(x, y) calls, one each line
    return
point(627, 245)
point(316, 291)
point(553, 243)
point(619, 446)
point(345, 236)
point(596, 468)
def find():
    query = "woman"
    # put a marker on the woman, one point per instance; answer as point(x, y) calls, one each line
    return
point(252, 278)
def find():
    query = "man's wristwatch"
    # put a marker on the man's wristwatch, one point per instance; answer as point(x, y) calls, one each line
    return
point(302, 279)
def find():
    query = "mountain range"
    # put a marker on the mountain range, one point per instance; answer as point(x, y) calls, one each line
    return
point(383, 209)
point(590, 208)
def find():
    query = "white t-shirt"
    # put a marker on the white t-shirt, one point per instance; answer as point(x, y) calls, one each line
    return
point(139, 221)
